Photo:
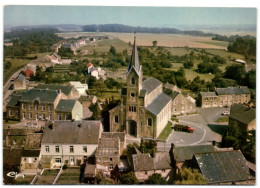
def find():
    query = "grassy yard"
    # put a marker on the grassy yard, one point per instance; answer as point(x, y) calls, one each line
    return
point(47, 177)
point(69, 176)
point(217, 43)
point(24, 181)
point(223, 119)
point(165, 132)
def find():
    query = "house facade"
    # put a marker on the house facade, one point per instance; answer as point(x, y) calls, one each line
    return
point(20, 82)
point(145, 109)
point(69, 142)
point(225, 97)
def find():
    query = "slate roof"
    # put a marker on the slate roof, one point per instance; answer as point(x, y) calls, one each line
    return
point(158, 104)
point(150, 84)
point(43, 96)
point(184, 153)
point(174, 94)
point(142, 93)
point(68, 45)
point(76, 132)
point(134, 60)
point(64, 89)
point(162, 160)
point(14, 101)
point(21, 77)
point(65, 105)
point(12, 157)
point(242, 113)
point(142, 162)
point(31, 153)
point(120, 135)
point(208, 94)
point(232, 90)
point(229, 166)
point(90, 171)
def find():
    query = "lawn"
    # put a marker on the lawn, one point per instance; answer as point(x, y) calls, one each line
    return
point(26, 180)
point(217, 43)
point(165, 132)
point(47, 177)
point(223, 119)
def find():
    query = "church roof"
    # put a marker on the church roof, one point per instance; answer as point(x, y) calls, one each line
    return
point(158, 104)
point(150, 84)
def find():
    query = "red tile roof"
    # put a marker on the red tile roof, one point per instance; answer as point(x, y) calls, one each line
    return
point(28, 72)
point(89, 64)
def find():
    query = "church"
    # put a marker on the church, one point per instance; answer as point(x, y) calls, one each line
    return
point(145, 109)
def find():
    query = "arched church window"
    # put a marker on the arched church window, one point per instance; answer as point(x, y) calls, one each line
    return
point(150, 122)
point(133, 81)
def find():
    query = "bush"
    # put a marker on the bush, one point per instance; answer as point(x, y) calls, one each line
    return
point(65, 167)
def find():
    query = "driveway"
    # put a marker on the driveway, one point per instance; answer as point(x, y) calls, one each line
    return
point(212, 114)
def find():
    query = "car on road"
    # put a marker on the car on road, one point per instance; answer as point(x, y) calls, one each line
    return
point(225, 113)
point(184, 128)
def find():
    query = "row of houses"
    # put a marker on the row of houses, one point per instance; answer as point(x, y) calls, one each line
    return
point(95, 72)
point(77, 142)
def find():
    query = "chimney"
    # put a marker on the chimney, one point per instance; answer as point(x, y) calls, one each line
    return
point(59, 91)
point(51, 126)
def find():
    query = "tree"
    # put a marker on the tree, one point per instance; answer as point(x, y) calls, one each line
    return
point(236, 72)
point(96, 111)
point(154, 43)
point(7, 65)
point(188, 64)
point(112, 50)
point(156, 179)
point(188, 176)
point(129, 179)
point(148, 146)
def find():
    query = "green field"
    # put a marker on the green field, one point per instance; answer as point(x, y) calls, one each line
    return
point(165, 132)
point(18, 64)
point(103, 46)
point(216, 43)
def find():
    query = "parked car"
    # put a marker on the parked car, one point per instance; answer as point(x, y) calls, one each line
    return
point(184, 128)
point(225, 113)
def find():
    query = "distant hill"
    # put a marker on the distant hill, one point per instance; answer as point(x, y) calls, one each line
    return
point(130, 29)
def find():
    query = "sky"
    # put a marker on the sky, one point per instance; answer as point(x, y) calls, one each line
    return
point(24, 15)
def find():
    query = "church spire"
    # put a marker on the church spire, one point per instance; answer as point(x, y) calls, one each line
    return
point(134, 59)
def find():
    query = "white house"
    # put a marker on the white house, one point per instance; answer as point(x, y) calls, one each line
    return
point(81, 88)
point(69, 142)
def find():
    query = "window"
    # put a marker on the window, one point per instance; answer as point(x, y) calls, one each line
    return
point(50, 116)
point(132, 95)
point(71, 149)
point(99, 159)
point(30, 106)
point(57, 160)
point(133, 81)
point(23, 115)
point(23, 106)
point(132, 109)
point(67, 117)
point(47, 149)
point(16, 113)
point(30, 115)
point(174, 102)
point(116, 119)
point(174, 109)
point(14, 141)
point(182, 108)
point(145, 172)
point(24, 159)
point(206, 99)
point(10, 112)
point(59, 116)
point(35, 159)
point(36, 106)
point(190, 107)
point(85, 149)
point(110, 167)
point(150, 122)
point(57, 149)
point(111, 159)
point(43, 116)
point(36, 116)
point(49, 106)
point(163, 170)
point(43, 107)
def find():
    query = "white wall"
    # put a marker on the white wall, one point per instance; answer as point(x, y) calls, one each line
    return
point(162, 118)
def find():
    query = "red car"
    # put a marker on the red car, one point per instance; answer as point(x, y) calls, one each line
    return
point(185, 128)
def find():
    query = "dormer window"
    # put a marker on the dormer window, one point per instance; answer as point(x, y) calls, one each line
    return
point(133, 81)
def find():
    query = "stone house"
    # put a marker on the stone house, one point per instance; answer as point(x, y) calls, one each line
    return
point(181, 104)
point(225, 97)
point(145, 109)
point(110, 147)
point(243, 116)
point(40, 104)
point(70, 142)
point(30, 160)
point(81, 88)
point(163, 165)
